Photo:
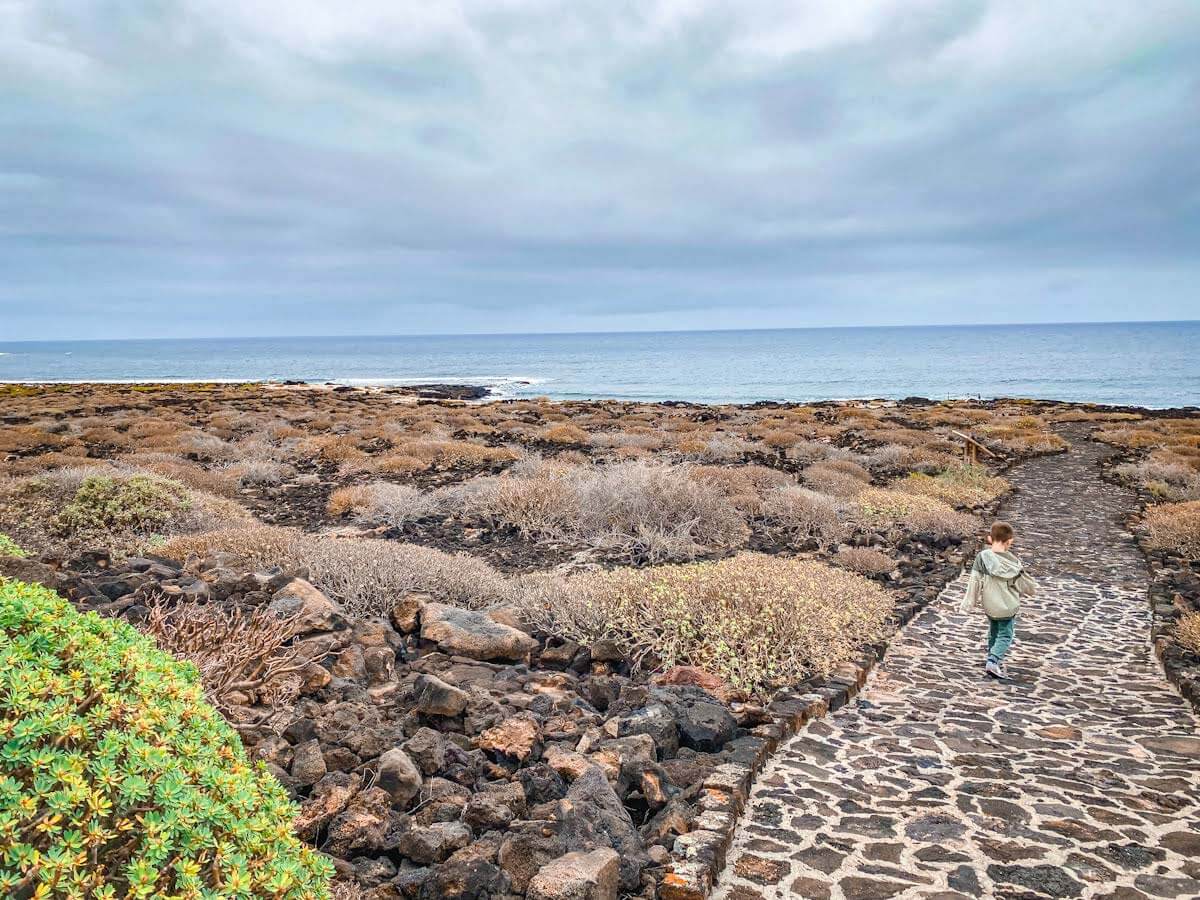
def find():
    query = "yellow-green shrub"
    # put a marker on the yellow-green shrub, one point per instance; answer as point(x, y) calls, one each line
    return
point(117, 779)
point(9, 547)
point(117, 508)
point(140, 502)
point(883, 507)
point(958, 486)
point(759, 622)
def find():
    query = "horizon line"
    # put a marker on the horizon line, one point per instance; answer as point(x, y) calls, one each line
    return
point(244, 337)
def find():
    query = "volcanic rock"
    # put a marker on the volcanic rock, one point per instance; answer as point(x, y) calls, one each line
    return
point(466, 632)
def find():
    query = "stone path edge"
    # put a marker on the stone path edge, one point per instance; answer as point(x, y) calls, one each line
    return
point(699, 856)
point(1174, 660)
point(1179, 671)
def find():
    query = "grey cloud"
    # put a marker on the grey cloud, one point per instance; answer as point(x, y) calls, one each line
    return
point(552, 165)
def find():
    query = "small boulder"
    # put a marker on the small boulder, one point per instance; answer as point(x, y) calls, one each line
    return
point(694, 676)
point(362, 826)
point(487, 812)
point(314, 611)
point(655, 720)
point(399, 776)
point(469, 874)
point(578, 876)
point(704, 723)
point(524, 853)
point(406, 612)
point(427, 748)
point(434, 843)
point(437, 698)
point(592, 817)
point(515, 737)
point(330, 796)
point(350, 664)
point(308, 765)
point(466, 632)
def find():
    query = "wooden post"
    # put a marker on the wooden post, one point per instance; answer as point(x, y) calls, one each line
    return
point(971, 448)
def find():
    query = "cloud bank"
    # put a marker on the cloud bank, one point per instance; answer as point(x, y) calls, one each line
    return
point(220, 167)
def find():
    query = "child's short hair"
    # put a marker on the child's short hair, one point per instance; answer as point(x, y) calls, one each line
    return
point(1001, 532)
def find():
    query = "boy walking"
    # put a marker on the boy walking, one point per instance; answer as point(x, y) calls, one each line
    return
point(998, 583)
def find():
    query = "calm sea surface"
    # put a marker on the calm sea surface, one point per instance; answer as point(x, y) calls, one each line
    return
point(1144, 364)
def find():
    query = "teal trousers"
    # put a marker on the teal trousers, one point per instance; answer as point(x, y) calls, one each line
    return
point(1000, 637)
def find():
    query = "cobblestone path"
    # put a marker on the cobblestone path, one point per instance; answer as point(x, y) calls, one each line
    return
point(1082, 779)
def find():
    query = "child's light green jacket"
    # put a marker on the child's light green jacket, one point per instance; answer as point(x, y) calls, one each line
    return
point(997, 583)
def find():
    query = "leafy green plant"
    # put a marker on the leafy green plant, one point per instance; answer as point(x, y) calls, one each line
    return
point(117, 779)
point(9, 547)
point(141, 502)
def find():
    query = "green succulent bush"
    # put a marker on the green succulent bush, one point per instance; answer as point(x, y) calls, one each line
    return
point(9, 547)
point(117, 779)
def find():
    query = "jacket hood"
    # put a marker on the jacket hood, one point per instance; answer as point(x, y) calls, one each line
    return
point(1000, 564)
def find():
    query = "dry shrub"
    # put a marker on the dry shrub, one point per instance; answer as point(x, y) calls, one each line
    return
point(1164, 478)
point(962, 485)
point(1079, 415)
point(106, 436)
point(906, 437)
point(1175, 527)
point(839, 478)
point(1129, 438)
point(190, 443)
point(536, 497)
point(804, 513)
point(144, 427)
point(333, 448)
point(235, 651)
point(1015, 439)
point(364, 575)
point(24, 438)
point(258, 471)
point(383, 503)
point(808, 451)
point(398, 464)
point(1187, 631)
point(622, 440)
point(185, 472)
point(865, 560)
point(55, 459)
point(889, 456)
point(745, 486)
point(447, 454)
point(778, 438)
point(641, 510)
point(339, 889)
point(565, 434)
point(883, 507)
point(121, 509)
point(759, 622)
point(347, 499)
point(724, 447)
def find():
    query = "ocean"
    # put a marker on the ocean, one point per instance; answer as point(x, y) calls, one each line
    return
point(1144, 364)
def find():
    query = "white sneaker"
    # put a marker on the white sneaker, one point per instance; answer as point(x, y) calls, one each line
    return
point(995, 668)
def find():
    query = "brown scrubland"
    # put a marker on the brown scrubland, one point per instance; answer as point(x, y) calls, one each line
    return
point(479, 600)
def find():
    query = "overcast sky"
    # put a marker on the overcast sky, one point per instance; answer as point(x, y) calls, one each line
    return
point(209, 167)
